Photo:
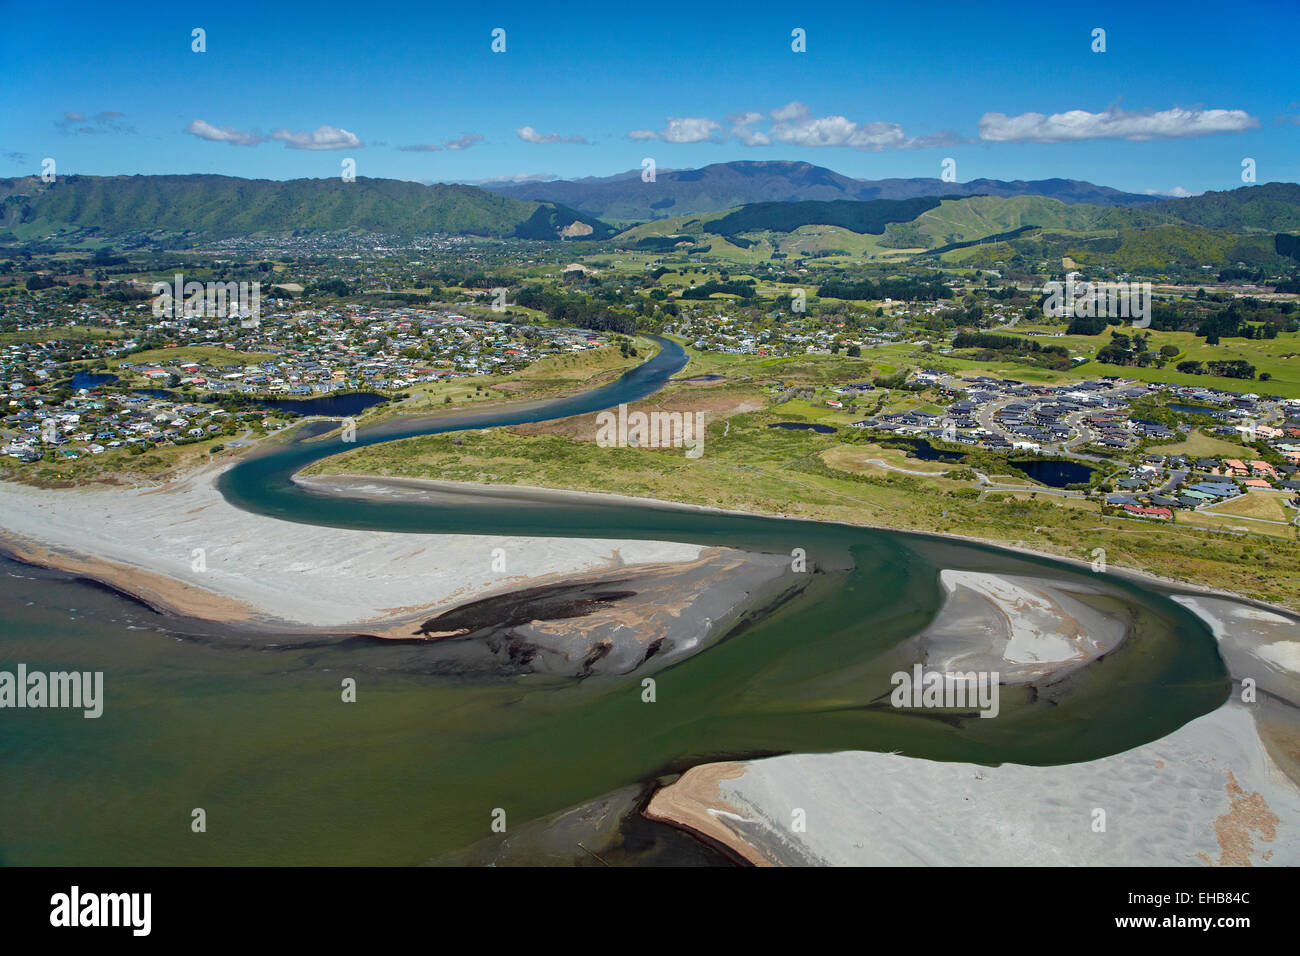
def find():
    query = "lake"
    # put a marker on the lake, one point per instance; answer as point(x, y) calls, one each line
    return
point(1193, 409)
point(922, 449)
point(1053, 472)
point(805, 426)
point(332, 406)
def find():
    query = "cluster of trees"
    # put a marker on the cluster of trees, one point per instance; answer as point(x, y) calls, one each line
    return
point(1246, 318)
point(1128, 350)
point(1006, 343)
point(741, 287)
point(1228, 369)
point(871, 216)
point(910, 290)
point(335, 287)
point(1233, 322)
point(576, 310)
point(1250, 275)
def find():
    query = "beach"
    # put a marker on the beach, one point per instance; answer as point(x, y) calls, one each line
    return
point(183, 548)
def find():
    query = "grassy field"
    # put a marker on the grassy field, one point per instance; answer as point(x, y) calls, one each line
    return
point(861, 460)
point(1264, 505)
point(71, 333)
point(1200, 445)
point(212, 354)
point(1280, 357)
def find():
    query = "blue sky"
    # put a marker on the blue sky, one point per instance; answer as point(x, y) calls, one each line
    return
point(1182, 94)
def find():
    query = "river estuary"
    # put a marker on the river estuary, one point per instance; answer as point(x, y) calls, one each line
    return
point(250, 728)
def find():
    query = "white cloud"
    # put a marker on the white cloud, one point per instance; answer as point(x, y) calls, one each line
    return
point(462, 142)
point(222, 134)
point(1114, 123)
point(323, 137)
point(530, 135)
point(740, 123)
point(1178, 192)
point(681, 129)
point(795, 124)
point(751, 137)
point(688, 130)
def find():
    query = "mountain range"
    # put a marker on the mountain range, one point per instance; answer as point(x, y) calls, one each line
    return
point(1229, 227)
point(726, 185)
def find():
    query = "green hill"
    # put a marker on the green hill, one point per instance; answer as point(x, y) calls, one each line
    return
point(1271, 207)
point(220, 206)
point(861, 217)
point(961, 220)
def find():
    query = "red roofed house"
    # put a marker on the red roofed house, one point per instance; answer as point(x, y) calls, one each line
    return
point(1164, 514)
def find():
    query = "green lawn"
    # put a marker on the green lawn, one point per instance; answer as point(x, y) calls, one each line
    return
point(74, 333)
point(212, 354)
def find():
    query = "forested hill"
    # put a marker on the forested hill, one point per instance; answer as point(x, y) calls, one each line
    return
point(862, 217)
point(220, 206)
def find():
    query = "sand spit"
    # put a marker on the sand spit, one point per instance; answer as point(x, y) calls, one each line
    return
point(1218, 791)
point(183, 548)
point(695, 803)
point(1023, 628)
point(634, 619)
point(1206, 794)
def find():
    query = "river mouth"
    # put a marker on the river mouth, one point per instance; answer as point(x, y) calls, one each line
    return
point(416, 766)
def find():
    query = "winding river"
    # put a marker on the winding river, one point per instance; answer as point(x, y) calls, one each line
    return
point(251, 729)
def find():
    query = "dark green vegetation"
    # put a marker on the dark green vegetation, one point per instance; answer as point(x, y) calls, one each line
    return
point(920, 290)
point(1209, 317)
point(577, 309)
point(1271, 206)
point(218, 206)
point(862, 217)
